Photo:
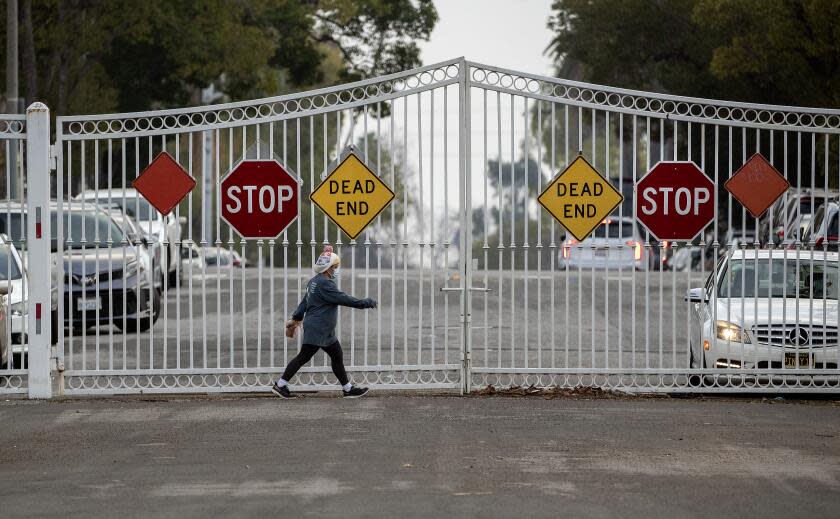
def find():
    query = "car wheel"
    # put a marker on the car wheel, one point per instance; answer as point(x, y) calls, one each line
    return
point(696, 380)
point(172, 279)
point(144, 323)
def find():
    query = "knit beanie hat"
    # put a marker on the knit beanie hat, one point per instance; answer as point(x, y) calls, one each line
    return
point(326, 260)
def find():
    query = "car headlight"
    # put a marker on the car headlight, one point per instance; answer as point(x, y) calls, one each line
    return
point(131, 269)
point(18, 308)
point(731, 332)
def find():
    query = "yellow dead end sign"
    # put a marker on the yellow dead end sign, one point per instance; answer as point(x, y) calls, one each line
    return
point(580, 198)
point(352, 195)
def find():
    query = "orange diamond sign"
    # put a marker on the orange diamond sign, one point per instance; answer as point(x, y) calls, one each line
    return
point(757, 184)
point(164, 183)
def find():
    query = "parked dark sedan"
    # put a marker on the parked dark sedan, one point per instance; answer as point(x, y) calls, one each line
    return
point(104, 276)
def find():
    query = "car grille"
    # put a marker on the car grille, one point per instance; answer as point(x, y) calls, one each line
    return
point(92, 279)
point(789, 335)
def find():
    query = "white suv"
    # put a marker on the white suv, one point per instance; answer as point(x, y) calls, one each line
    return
point(165, 231)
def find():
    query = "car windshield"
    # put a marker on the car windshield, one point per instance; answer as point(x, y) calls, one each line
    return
point(137, 208)
point(94, 228)
point(14, 226)
point(614, 230)
point(8, 266)
point(223, 258)
point(780, 278)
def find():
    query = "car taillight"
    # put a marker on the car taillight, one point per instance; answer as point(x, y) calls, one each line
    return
point(637, 249)
point(829, 238)
point(566, 248)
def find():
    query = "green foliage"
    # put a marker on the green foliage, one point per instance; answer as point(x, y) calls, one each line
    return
point(124, 55)
point(765, 51)
point(784, 52)
point(376, 36)
point(788, 50)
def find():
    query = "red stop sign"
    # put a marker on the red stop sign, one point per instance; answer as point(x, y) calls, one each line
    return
point(259, 198)
point(675, 201)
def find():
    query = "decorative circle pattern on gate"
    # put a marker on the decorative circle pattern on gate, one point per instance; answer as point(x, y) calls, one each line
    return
point(352, 95)
point(656, 105)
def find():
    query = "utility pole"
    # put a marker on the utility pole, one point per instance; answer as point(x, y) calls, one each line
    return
point(208, 95)
point(12, 101)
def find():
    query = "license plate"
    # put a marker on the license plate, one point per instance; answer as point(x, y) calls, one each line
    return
point(804, 360)
point(88, 304)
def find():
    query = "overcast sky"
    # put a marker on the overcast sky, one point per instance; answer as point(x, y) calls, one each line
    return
point(507, 33)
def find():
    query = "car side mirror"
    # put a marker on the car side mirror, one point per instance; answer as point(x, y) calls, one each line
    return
point(697, 295)
point(5, 288)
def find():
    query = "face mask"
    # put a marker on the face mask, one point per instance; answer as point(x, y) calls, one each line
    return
point(334, 274)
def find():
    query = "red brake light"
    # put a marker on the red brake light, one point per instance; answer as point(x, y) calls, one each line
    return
point(567, 246)
point(637, 249)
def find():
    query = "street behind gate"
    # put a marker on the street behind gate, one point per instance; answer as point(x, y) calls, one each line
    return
point(477, 284)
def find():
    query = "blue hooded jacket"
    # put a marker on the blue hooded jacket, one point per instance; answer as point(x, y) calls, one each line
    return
point(319, 310)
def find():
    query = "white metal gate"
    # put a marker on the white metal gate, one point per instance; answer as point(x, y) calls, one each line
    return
point(473, 279)
point(220, 328)
point(13, 375)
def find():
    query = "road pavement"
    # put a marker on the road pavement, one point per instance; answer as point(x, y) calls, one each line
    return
point(588, 319)
point(420, 456)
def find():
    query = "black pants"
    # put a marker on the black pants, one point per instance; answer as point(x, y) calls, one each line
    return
point(307, 351)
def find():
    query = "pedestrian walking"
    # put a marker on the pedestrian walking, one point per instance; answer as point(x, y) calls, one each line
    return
point(318, 311)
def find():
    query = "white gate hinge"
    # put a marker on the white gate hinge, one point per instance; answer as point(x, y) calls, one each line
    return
point(53, 162)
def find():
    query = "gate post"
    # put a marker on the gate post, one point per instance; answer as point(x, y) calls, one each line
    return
point(38, 248)
point(464, 112)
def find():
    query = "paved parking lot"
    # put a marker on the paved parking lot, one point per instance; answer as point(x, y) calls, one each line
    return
point(420, 456)
point(565, 319)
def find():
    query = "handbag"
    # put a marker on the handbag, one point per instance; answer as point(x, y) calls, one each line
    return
point(291, 328)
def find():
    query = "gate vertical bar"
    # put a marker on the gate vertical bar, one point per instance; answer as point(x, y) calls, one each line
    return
point(466, 221)
point(38, 245)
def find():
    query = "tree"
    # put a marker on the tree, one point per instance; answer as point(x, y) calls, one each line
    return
point(761, 51)
point(742, 50)
point(375, 36)
point(516, 185)
point(88, 56)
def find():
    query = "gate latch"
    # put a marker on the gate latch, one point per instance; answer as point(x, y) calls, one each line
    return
point(53, 161)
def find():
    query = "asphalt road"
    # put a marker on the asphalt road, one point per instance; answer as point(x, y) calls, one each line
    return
point(404, 456)
point(565, 319)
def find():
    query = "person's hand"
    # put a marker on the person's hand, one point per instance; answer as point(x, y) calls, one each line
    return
point(291, 327)
point(369, 303)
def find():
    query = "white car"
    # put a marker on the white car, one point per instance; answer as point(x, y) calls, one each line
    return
point(5, 287)
point(148, 251)
point(12, 271)
point(616, 242)
point(192, 259)
point(221, 257)
point(767, 309)
point(160, 229)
